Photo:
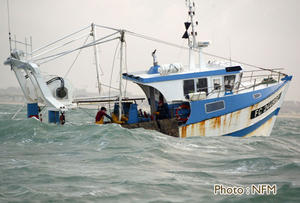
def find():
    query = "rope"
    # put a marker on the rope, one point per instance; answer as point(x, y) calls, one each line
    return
point(65, 44)
point(180, 51)
point(110, 87)
point(18, 111)
point(186, 48)
point(60, 39)
point(125, 90)
point(143, 37)
point(76, 57)
point(85, 46)
point(53, 57)
point(113, 64)
point(102, 72)
point(155, 40)
point(240, 62)
point(106, 27)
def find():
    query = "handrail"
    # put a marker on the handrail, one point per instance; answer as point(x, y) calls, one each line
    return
point(241, 84)
point(253, 76)
point(263, 70)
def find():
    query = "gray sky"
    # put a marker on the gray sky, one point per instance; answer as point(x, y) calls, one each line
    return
point(260, 32)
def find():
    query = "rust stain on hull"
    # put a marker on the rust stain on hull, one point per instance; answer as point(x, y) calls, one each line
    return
point(183, 132)
point(202, 128)
point(234, 117)
point(230, 119)
point(225, 121)
point(192, 130)
point(215, 123)
point(237, 114)
point(218, 122)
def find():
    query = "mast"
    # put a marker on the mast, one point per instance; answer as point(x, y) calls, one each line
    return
point(191, 14)
point(93, 33)
point(192, 42)
point(122, 39)
point(8, 24)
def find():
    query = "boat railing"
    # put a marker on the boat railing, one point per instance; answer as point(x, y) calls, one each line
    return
point(249, 80)
point(262, 77)
point(25, 47)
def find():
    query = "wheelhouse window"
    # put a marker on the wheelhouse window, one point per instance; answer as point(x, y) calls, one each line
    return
point(229, 82)
point(202, 85)
point(217, 84)
point(188, 87)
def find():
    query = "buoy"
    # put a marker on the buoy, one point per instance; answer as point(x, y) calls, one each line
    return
point(180, 118)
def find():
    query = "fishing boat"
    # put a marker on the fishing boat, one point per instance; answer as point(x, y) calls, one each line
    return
point(199, 99)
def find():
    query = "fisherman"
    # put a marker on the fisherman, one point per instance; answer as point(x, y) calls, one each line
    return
point(40, 114)
point(62, 118)
point(141, 113)
point(162, 111)
point(100, 116)
point(115, 117)
point(146, 115)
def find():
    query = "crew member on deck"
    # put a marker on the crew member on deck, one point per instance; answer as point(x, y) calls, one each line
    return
point(100, 116)
point(162, 112)
point(62, 118)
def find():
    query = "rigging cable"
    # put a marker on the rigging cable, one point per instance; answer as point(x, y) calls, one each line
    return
point(65, 37)
point(85, 46)
point(106, 27)
point(111, 73)
point(57, 47)
point(155, 40)
point(76, 57)
point(55, 56)
point(179, 54)
point(110, 87)
point(17, 112)
point(242, 63)
point(125, 90)
point(208, 54)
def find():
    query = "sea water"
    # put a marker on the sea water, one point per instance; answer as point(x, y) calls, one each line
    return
point(84, 162)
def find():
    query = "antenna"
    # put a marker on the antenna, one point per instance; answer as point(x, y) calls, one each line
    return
point(192, 43)
point(230, 51)
point(8, 22)
point(191, 14)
